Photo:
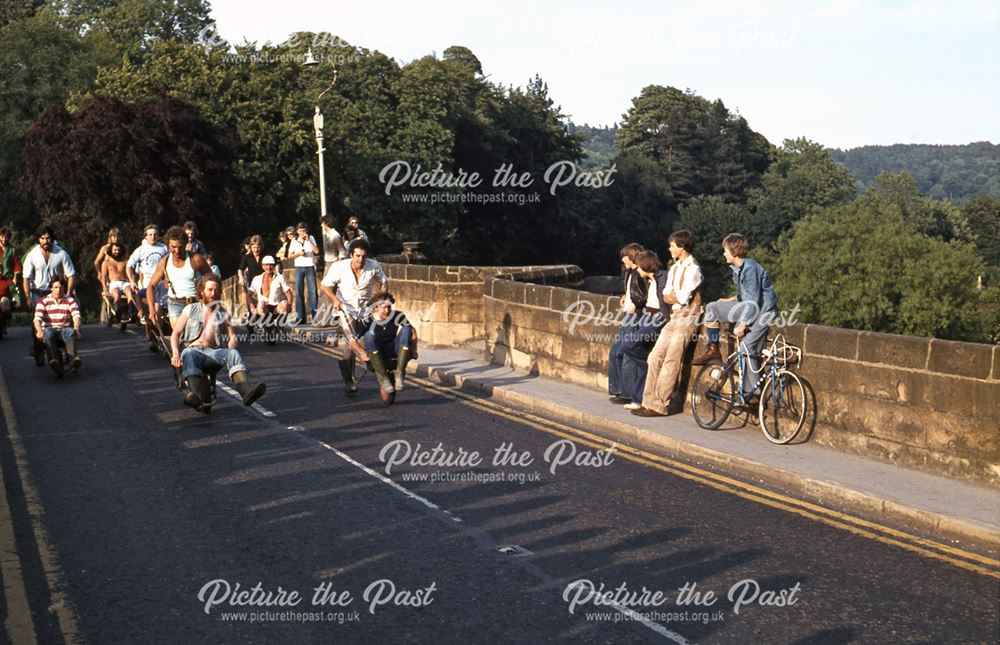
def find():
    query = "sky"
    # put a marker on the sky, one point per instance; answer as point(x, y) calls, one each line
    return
point(845, 73)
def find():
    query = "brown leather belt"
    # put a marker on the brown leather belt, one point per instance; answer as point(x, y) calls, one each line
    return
point(186, 301)
point(650, 310)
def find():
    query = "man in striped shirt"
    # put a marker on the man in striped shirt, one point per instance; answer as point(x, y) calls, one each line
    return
point(57, 322)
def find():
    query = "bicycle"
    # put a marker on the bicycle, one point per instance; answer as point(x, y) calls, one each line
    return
point(781, 408)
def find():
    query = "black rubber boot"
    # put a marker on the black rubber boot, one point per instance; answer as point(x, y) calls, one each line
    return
point(401, 361)
point(198, 392)
point(249, 392)
point(378, 366)
point(347, 371)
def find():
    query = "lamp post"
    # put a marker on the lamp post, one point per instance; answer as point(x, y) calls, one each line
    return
point(318, 126)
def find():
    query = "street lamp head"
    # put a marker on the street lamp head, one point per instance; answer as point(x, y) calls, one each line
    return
point(310, 60)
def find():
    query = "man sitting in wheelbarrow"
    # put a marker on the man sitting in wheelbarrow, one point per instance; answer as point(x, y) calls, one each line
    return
point(388, 337)
point(204, 326)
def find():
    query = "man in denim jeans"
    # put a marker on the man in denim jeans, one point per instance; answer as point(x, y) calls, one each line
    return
point(205, 325)
point(752, 310)
point(302, 252)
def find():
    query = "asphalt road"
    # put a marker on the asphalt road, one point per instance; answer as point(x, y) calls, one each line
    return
point(135, 518)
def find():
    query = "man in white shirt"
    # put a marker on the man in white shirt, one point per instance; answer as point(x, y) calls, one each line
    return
point(44, 263)
point(350, 286)
point(41, 266)
point(682, 293)
point(144, 260)
point(274, 295)
point(302, 251)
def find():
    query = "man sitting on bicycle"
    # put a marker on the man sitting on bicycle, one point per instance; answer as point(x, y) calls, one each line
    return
point(389, 335)
point(205, 325)
point(752, 310)
point(57, 324)
point(350, 286)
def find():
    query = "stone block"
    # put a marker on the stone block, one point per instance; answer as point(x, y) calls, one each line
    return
point(426, 291)
point(466, 292)
point(987, 402)
point(961, 359)
point(892, 349)
point(575, 352)
point(538, 295)
point(543, 320)
point(995, 374)
point(563, 298)
point(830, 341)
point(463, 312)
point(417, 272)
point(949, 394)
point(505, 290)
point(794, 334)
point(537, 343)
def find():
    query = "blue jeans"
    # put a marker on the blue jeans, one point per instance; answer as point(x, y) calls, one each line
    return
point(615, 359)
point(53, 337)
point(389, 350)
point(302, 276)
point(195, 361)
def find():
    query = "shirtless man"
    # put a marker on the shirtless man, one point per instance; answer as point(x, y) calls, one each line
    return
point(114, 279)
point(205, 325)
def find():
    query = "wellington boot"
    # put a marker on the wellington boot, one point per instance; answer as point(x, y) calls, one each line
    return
point(249, 392)
point(712, 353)
point(378, 366)
point(401, 361)
point(347, 371)
point(198, 392)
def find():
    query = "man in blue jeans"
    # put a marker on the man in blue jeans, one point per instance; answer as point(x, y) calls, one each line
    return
point(205, 325)
point(302, 252)
point(752, 310)
point(388, 336)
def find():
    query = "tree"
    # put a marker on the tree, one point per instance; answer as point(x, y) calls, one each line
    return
point(930, 217)
point(116, 164)
point(701, 148)
point(865, 266)
point(41, 62)
point(128, 28)
point(802, 179)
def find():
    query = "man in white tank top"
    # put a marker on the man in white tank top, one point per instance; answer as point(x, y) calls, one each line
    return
point(181, 270)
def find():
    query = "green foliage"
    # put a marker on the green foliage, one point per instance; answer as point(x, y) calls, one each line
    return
point(982, 215)
point(115, 164)
point(953, 173)
point(801, 179)
point(864, 266)
point(701, 147)
point(41, 61)
point(598, 144)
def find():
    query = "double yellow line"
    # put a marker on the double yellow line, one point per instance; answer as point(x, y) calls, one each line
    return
point(871, 530)
point(928, 548)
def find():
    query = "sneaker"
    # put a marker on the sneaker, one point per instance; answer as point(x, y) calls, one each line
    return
point(619, 400)
point(633, 406)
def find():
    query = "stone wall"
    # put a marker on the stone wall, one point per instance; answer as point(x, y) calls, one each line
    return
point(920, 402)
point(445, 303)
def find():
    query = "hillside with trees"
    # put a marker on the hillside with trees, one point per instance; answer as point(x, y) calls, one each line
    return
point(952, 173)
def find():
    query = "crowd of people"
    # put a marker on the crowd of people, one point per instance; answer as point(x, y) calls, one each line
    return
point(177, 277)
point(662, 310)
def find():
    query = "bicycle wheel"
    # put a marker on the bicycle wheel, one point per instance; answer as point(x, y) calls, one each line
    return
point(782, 410)
point(712, 395)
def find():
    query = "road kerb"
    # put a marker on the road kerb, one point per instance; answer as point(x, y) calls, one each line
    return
point(825, 493)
